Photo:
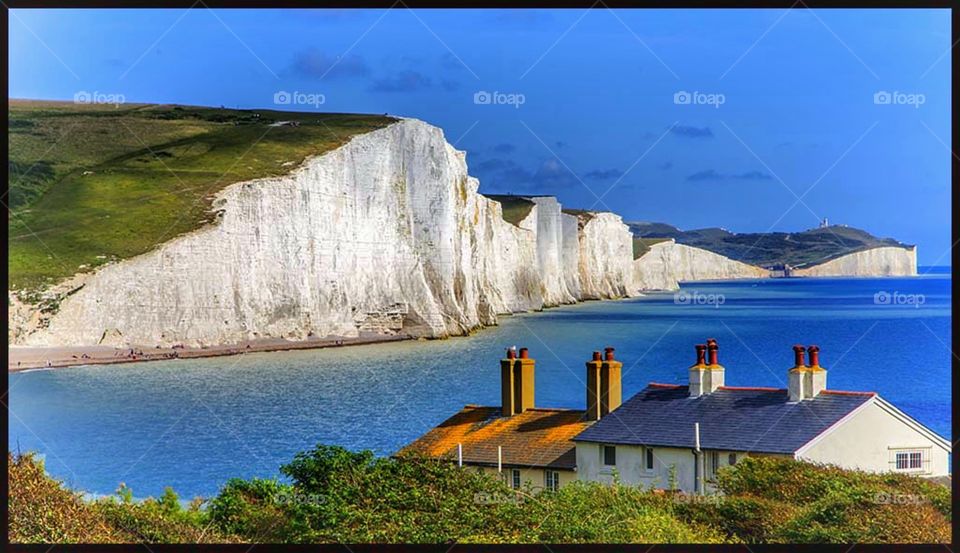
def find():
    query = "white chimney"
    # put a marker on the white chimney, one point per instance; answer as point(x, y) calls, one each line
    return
point(806, 381)
point(816, 378)
point(706, 375)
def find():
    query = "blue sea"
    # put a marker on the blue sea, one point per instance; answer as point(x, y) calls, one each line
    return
point(192, 424)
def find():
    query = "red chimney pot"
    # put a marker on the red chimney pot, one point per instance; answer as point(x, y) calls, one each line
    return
point(814, 352)
point(712, 350)
point(608, 354)
point(596, 356)
point(511, 353)
point(798, 355)
point(701, 354)
point(524, 353)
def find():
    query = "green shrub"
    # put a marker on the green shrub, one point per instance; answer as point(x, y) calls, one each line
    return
point(43, 511)
point(335, 495)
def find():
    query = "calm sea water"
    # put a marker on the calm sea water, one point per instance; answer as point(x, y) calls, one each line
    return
point(191, 424)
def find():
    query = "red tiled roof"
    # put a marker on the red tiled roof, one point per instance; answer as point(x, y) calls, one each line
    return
point(535, 438)
point(846, 393)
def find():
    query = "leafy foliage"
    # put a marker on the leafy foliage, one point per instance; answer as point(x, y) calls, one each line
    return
point(787, 501)
point(43, 511)
point(335, 495)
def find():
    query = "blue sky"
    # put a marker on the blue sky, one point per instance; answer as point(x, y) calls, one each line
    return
point(783, 129)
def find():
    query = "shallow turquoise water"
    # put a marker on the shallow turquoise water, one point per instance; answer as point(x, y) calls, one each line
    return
point(191, 424)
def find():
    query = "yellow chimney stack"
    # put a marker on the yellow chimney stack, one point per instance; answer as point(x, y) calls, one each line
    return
point(604, 392)
point(506, 382)
point(610, 392)
point(516, 382)
point(593, 387)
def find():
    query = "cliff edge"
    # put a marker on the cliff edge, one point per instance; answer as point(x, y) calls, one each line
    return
point(874, 262)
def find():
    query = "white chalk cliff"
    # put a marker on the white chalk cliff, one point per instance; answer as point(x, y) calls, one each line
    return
point(668, 263)
point(883, 261)
point(385, 234)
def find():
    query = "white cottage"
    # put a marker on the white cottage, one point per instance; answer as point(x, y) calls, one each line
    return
point(673, 435)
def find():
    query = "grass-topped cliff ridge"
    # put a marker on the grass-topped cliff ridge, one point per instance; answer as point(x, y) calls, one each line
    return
point(90, 184)
point(771, 249)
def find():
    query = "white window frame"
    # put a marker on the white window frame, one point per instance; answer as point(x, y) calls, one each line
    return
point(918, 466)
point(551, 480)
point(515, 479)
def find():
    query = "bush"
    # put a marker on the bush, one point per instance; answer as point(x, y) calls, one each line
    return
point(782, 500)
point(43, 511)
point(258, 510)
point(335, 495)
point(747, 518)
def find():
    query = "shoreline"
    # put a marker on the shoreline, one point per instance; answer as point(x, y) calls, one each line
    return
point(26, 358)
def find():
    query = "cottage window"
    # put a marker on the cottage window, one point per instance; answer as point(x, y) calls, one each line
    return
point(649, 458)
point(609, 455)
point(732, 459)
point(551, 480)
point(714, 462)
point(516, 479)
point(909, 460)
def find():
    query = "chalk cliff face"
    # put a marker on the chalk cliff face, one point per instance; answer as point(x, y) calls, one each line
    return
point(606, 251)
point(546, 222)
point(386, 234)
point(885, 261)
point(668, 263)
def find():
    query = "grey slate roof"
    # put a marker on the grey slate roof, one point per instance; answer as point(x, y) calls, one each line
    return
point(735, 419)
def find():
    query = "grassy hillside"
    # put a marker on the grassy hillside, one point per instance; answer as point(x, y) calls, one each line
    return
point(642, 245)
point(515, 208)
point(331, 495)
point(95, 183)
point(797, 249)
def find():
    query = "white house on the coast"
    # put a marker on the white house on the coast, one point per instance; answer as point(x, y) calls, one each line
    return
point(680, 435)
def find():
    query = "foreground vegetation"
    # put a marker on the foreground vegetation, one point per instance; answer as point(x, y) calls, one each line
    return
point(330, 494)
point(95, 183)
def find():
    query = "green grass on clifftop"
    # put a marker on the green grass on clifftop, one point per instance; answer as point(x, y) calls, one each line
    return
point(95, 183)
point(515, 208)
point(798, 249)
point(642, 245)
